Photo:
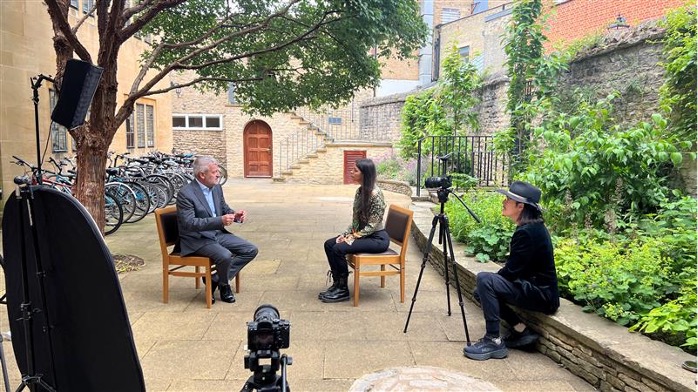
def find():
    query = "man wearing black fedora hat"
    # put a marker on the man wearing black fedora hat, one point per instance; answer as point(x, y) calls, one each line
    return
point(528, 279)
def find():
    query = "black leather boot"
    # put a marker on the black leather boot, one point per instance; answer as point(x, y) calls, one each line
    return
point(226, 293)
point(341, 293)
point(335, 283)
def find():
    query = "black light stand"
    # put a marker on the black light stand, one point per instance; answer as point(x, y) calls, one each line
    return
point(31, 379)
point(36, 84)
point(441, 220)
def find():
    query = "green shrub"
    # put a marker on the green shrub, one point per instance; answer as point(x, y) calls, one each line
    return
point(488, 240)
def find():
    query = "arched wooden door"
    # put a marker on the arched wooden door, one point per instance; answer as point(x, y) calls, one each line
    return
point(258, 152)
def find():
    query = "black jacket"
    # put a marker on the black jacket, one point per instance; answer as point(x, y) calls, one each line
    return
point(531, 263)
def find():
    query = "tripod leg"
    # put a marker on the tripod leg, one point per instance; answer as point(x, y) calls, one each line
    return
point(455, 275)
point(443, 224)
point(421, 271)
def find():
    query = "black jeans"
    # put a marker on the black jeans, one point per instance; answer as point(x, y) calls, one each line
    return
point(495, 292)
point(336, 253)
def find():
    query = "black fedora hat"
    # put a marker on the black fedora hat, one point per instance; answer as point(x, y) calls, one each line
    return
point(523, 192)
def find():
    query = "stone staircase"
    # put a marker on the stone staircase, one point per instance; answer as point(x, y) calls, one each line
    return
point(311, 152)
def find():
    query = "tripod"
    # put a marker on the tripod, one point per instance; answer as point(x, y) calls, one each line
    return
point(441, 220)
point(265, 379)
point(26, 208)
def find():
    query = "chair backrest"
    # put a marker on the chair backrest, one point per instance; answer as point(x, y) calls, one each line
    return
point(398, 224)
point(166, 219)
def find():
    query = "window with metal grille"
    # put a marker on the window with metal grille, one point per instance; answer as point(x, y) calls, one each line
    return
point(464, 53)
point(58, 132)
point(150, 125)
point(231, 94)
point(334, 120)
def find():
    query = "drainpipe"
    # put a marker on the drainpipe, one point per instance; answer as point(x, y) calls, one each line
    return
point(425, 53)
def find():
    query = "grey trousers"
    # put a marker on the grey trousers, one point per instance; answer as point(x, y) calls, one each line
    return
point(230, 253)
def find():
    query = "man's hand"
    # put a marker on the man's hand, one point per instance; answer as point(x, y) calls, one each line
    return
point(240, 216)
point(228, 219)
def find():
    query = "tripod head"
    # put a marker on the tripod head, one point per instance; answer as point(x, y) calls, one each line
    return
point(444, 190)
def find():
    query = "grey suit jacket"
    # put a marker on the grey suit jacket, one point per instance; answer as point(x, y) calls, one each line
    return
point(197, 224)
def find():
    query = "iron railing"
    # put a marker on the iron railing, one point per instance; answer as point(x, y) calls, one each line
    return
point(339, 125)
point(298, 146)
point(441, 156)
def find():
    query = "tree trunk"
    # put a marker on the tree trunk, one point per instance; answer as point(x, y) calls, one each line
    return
point(92, 161)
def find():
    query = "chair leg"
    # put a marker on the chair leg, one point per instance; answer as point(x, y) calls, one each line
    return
point(207, 287)
point(196, 278)
point(402, 285)
point(383, 276)
point(237, 282)
point(357, 272)
point(165, 284)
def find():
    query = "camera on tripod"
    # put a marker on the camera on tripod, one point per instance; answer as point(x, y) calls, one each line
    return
point(266, 335)
point(438, 182)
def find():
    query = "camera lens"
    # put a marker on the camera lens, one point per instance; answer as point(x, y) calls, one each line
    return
point(266, 312)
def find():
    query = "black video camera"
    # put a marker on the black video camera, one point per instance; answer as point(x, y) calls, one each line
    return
point(438, 182)
point(268, 331)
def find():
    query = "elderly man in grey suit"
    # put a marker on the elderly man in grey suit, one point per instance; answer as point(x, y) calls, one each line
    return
point(202, 217)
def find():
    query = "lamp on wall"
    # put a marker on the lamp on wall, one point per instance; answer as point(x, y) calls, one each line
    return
point(177, 89)
point(619, 23)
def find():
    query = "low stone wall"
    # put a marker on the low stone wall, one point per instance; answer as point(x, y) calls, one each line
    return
point(601, 352)
point(395, 186)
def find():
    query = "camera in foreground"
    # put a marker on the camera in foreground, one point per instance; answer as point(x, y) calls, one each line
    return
point(438, 182)
point(266, 335)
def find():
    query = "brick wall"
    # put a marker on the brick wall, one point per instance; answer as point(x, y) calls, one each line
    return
point(576, 19)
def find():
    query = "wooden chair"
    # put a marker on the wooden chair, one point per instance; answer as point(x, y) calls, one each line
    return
point(398, 225)
point(173, 263)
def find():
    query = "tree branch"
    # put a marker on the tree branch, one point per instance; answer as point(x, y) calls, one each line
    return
point(59, 17)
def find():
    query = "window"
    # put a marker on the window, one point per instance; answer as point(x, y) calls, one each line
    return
point(199, 122)
point(130, 137)
point(465, 53)
point(145, 126)
point(58, 132)
point(449, 15)
point(74, 4)
point(231, 94)
point(87, 5)
point(334, 120)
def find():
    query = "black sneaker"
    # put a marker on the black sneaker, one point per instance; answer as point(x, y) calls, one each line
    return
point(521, 339)
point(486, 348)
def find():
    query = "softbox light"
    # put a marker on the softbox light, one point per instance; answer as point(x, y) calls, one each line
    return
point(80, 81)
point(79, 337)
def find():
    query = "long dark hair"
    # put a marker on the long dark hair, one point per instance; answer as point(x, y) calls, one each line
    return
point(368, 175)
point(530, 214)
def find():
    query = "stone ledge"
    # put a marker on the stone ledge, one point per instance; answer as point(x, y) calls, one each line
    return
point(601, 352)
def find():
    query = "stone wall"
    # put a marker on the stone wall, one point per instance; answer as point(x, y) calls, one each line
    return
point(202, 142)
point(327, 167)
point(601, 352)
point(626, 62)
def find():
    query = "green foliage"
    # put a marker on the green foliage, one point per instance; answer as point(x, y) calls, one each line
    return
point(675, 319)
point(619, 280)
point(281, 56)
point(392, 167)
point(592, 172)
point(678, 94)
point(446, 110)
point(488, 240)
point(532, 80)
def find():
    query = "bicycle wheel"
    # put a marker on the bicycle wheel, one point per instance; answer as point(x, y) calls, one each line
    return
point(142, 202)
point(165, 183)
point(224, 175)
point(124, 195)
point(113, 214)
point(157, 194)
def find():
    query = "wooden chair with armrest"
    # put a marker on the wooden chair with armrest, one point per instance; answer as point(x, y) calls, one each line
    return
point(176, 265)
point(397, 224)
